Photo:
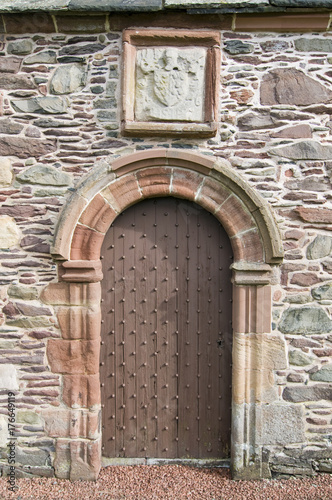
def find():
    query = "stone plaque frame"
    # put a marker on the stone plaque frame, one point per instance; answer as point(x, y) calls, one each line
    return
point(150, 38)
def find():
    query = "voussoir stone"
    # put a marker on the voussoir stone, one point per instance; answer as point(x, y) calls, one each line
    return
point(25, 148)
point(68, 78)
point(49, 104)
point(323, 292)
point(292, 86)
point(45, 175)
point(323, 375)
point(320, 247)
point(305, 320)
point(304, 150)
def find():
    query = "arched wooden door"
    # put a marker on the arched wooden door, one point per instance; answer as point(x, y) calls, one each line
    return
point(166, 333)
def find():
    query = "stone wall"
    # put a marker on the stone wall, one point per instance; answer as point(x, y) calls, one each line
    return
point(60, 107)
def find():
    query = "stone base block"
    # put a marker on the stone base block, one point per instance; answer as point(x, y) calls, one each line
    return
point(77, 460)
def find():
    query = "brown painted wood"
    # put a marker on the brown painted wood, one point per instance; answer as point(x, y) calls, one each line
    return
point(166, 333)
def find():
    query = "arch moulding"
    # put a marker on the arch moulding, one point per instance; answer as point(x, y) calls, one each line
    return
point(105, 193)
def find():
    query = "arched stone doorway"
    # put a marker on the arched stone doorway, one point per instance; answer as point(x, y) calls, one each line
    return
point(83, 223)
point(166, 338)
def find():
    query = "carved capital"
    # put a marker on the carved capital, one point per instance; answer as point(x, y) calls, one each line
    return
point(81, 271)
point(247, 273)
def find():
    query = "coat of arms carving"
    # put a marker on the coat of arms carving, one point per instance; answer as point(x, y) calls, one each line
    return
point(170, 84)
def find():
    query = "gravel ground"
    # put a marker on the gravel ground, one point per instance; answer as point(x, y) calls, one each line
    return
point(169, 482)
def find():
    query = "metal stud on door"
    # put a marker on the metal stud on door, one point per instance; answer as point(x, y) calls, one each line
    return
point(166, 333)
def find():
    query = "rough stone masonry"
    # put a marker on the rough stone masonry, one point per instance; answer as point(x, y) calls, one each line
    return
point(61, 103)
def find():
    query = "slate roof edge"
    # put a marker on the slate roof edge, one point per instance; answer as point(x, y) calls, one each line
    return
point(201, 6)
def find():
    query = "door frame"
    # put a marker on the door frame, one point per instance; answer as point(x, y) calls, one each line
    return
point(249, 222)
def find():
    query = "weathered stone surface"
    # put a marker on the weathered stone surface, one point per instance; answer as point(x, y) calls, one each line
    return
point(281, 424)
point(313, 44)
point(68, 78)
point(29, 417)
point(8, 377)
point(4, 433)
point(45, 175)
point(304, 150)
point(50, 122)
point(89, 48)
point(238, 47)
point(8, 126)
point(315, 214)
point(320, 247)
point(10, 64)
point(25, 148)
point(75, 294)
point(305, 279)
point(275, 45)
point(295, 132)
point(323, 375)
point(30, 310)
point(81, 390)
point(9, 232)
point(34, 457)
point(307, 393)
point(305, 320)
point(6, 173)
point(73, 356)
point(15, 82)
point(43, 57)
point(20, 47)
point(323, 292)
point(298, 358)
point(325, 466)
point(258, 120)
point(155, 98)
point(32, 322)
point(291, 86)
point(49, 104)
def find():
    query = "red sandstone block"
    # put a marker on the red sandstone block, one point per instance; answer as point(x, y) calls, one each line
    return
point(85, 460)
point(126, 191)
point(86, 244)
point(73, 294)
point(154, 181)
point(81, 390)
point(234, 217)
point(248, 247)
point(139, 160)
point(315, 214)
point(186, 183)
point(72, 423)
point(98, 215)
point(176, 158)
point(77, 460)
point(211, 198)
point(282, 22)
point(79, 323)
point(73, 356)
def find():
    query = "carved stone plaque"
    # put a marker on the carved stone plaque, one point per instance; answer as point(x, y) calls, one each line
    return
point(170, 84)
point(171, 80)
